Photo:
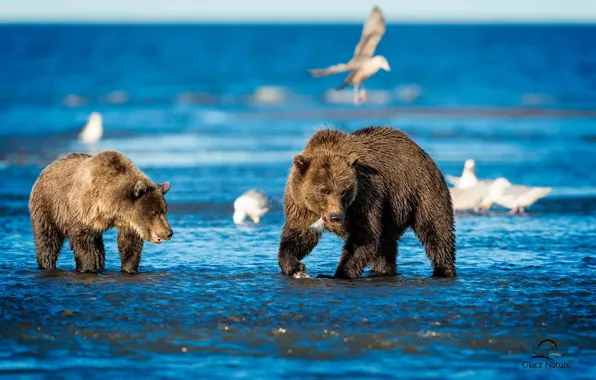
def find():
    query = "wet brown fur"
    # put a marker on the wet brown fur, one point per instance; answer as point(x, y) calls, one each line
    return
point(80, 196)
point(377, 182)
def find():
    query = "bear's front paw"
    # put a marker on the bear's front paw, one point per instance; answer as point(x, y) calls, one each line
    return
point(290, 268)
point(87, 269)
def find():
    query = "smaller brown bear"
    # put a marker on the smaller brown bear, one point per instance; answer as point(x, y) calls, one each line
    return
point(80, 196)
point(368, 187)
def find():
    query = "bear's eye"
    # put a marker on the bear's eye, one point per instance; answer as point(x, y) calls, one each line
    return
point(324, 191)
point(156, 213)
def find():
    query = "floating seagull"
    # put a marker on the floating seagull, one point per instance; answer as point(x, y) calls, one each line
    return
point(513, 197)
point(470, 198)
point(468, 177)
point(363, 65)
point(93, 131)
point(270, 95)
point(253, 204)
point(408, 93)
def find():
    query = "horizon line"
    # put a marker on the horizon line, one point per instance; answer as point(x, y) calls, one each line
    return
point(295, 21)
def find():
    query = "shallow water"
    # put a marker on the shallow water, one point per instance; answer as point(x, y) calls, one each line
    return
point(212, 301)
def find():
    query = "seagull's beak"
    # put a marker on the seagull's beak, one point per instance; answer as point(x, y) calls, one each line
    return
point(487, 205)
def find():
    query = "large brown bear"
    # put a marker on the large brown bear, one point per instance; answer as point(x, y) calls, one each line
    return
point(368, 186)
point(80, 196)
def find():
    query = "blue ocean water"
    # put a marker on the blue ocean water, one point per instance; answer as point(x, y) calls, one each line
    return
point(219, 109)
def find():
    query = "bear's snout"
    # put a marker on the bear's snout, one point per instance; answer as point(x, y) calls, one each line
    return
point(158, 237)
point(334, 213)
point(161, 230)
point(165, 233)
point(335, 217)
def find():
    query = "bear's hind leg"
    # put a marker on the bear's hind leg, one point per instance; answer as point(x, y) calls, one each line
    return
point(88, 251)
point(48, 243)
point(384, 263)
point(437, 235)
point(360, 248)
point(355, 255)
point(130, 246)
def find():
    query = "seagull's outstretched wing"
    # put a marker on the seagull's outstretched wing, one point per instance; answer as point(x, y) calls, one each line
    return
point(340, 68)
point(453, 180)
point(348, 80)
point(373, 30)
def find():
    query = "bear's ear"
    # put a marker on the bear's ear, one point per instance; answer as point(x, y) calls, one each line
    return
point(352, 159)
point(140, 189)
point(301, 162)
point(164, 187)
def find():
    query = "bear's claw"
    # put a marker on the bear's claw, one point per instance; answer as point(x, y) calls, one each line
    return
point(292, 268)
point(301, 275)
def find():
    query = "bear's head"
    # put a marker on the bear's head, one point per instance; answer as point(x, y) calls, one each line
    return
point(149, 209)
point(326, 184)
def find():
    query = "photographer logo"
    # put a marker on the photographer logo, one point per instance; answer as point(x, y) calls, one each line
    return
point(546, 356)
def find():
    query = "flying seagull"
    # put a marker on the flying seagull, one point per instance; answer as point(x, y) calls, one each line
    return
point(363, 65)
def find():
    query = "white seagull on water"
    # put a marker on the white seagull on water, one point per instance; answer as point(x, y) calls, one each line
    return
point(513, 197)
point(470, 198)
point(253, 204)
point(93, 131)
point(363, 65)
point(468, 177)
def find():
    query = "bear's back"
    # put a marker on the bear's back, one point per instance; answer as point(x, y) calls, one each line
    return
point(111, 172)
point(109, 166)
point(57, 177)
point(371, 139)
point(378, 137)
point(78, 170)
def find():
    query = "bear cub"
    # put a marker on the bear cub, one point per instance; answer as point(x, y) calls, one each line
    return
point(80, 196)
point(368, 187)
